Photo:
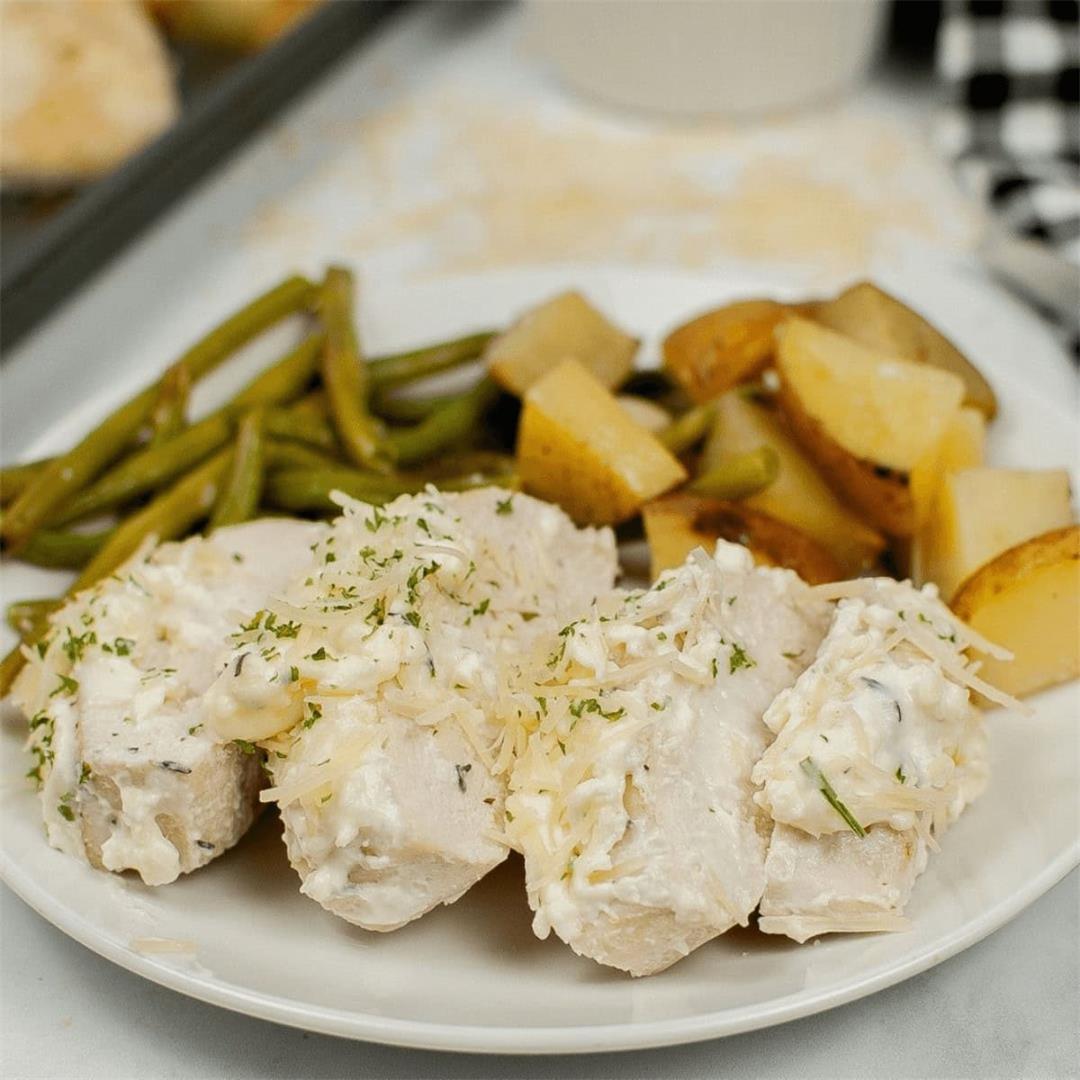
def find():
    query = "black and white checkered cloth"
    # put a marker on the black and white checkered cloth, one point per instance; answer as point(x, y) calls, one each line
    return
point(1012, 122)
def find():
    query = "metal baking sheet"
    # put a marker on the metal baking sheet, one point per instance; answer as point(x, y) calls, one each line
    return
point(53, 245)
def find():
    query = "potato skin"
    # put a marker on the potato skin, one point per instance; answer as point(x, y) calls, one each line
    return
point(882, 496)
point(722, 348)
point(1028, 600)
point(676, 524)
point(877, 319)
point(1005, 570)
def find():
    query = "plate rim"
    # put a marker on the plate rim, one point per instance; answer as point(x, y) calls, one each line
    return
point(585, 1039)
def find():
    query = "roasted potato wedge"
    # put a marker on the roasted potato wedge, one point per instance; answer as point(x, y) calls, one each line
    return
point(676, 524)
point(979, 513)
point(963, 446)
point(722, 348)
point(798, 495)
point(565, 327)
point(646, 413)
point(1028, 600)
point(881, 322)
point(578, 447)
point(866, 419)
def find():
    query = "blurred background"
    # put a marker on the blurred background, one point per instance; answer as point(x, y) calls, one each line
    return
point(429, 138)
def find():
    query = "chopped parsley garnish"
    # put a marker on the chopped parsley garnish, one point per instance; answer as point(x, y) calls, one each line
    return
point(412, 618)
point(528, 616)
point(739, 659)
point(247, 747)
point(481, 608)
point(294, 673)
point(900, 774)
point(505, 506)
point(592, 705)
point(67, 686)
point(314, 714)
point(75, 645)
point(376, 521)
point(66, 812)
point(319, 654)
point(84, 772)
point(818, 777)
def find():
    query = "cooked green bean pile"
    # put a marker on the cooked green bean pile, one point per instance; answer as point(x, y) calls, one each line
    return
point(321, 419)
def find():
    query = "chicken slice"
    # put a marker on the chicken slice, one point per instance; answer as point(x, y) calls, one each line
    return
point(635, 738)
point(839, 881)
point(373, 686)
point(131, 778)
point(878, 749)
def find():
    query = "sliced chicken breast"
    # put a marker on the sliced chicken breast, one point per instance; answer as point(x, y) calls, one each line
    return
point(373, 690)
point(878, 749)
point(635, 738)
point(131, 777)
point(839, 881)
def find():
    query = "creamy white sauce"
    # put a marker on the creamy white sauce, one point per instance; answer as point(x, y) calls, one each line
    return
point(631, 797)
point(372, 686)
point(894, 735)
point(115, 702)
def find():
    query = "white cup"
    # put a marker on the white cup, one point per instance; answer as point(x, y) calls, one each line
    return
point(701, 57)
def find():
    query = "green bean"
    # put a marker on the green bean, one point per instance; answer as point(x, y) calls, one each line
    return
point(300, 425)
point(10, 666)
point(285, 454)
point(149, 469)
point(61, 549)
point(740, 475)
point(313, 404)
point(167, 418)
point(30, 618)
point(241, 489)
point(168, 516)
point(284, 381)
point(408, 410)
point(398, 368)
point(487, 462)
point(449, 425)
point(344, 374)
point(72, 471)
point(308, 490)
point(15, 479)
point(155, 466)
point(686, 431)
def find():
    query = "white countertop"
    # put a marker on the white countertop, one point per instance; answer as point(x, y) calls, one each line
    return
point(442, 147)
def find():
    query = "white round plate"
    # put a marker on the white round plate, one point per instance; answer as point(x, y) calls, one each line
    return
point(472, 976)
